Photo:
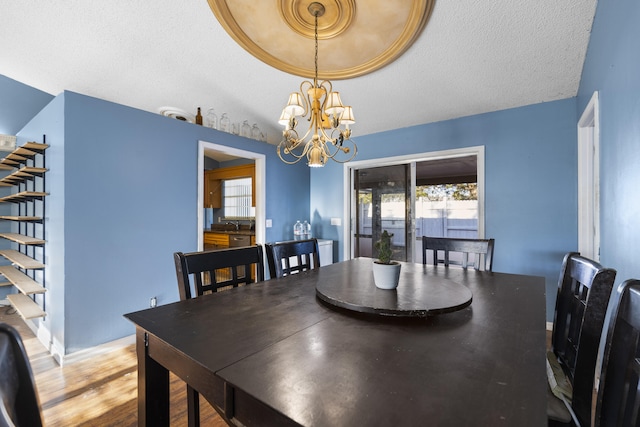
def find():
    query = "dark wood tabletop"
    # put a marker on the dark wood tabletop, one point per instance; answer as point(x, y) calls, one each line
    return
point(274, 354)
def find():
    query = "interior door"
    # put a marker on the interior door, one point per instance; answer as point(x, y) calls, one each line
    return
point(383, 202)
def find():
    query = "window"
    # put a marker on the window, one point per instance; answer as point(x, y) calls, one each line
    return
point(237, 198)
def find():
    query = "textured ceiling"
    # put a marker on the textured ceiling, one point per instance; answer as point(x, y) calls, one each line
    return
point(474, 56)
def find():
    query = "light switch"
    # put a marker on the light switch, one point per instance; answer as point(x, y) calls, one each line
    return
point(336, 221)
point(268, 223)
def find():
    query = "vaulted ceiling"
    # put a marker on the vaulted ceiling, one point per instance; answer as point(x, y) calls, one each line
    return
point(473, 56)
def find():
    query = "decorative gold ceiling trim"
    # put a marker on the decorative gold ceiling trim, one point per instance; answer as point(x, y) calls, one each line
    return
point(337, 26)
point(337, 17)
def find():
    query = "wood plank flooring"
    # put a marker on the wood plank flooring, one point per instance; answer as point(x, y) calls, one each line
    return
point(101, 391)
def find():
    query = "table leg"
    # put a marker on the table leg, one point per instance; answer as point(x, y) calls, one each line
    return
point(153, 386)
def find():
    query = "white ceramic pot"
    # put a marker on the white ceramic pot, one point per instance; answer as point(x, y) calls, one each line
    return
point(386, 276)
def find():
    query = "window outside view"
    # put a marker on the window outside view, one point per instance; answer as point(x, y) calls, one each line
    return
point(442, 210)
point(237, 198)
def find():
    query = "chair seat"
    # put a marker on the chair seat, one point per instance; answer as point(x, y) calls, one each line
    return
point(558, 392)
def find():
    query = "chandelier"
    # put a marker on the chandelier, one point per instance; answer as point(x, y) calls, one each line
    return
point(328, 136)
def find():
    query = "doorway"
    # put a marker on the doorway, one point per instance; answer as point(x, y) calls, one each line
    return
point(209, 149)
point(439, 194)
point(589, 180)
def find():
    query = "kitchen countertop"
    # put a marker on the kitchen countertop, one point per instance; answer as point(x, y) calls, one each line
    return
point(231, 232)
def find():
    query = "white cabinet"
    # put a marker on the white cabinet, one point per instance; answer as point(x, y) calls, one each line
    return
point(326, 251)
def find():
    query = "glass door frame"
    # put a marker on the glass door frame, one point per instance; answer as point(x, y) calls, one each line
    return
point(350, 199)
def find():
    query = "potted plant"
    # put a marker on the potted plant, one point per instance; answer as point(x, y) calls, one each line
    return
point(386, 272)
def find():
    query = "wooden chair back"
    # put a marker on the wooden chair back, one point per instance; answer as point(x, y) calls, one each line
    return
point(618, 399)
point(293, 256)
point(439, 249)
point(584, 289)
point(210, 271)
point(19, 403)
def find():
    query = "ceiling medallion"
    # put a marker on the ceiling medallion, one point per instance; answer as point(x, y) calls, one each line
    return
point(356, 41)
point(337, 17)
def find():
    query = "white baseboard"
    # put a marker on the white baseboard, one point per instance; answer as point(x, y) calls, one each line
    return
point(98, 350)
point(56, 349)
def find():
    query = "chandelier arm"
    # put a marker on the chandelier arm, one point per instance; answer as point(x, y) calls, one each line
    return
point(353, 152)
point(311, 127)
point(328, 88)
point(284, 152)
point(304, 91)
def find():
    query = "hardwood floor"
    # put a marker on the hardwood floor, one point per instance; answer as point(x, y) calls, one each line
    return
point(101, 391)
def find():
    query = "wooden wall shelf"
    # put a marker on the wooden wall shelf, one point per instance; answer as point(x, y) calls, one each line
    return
point(24, 305)
point(21, 175)
point(21, 260)
point(23, 196)
point(22, 239)
point(22, 218)
point(28, 177)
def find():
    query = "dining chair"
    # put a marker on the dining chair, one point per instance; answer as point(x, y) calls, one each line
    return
point(584, 288)
point(213, 271)
point(478, 248)
point(19, 403)
point(617, 379)
point(292, 256)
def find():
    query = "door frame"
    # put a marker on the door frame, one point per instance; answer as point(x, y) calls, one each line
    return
point(351, 167)
point(589, 180)
point(260, 162)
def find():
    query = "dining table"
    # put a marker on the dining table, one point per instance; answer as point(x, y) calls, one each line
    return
point(283, 353)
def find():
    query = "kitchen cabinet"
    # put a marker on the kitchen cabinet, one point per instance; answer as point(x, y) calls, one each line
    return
point(216, 240)
point(213, 183)
point(212, 190)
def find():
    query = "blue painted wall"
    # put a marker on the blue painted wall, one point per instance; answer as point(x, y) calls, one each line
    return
point(123, 198)
point(130, 202)
point(612, 67)
point(18, 104)
point(530, 181)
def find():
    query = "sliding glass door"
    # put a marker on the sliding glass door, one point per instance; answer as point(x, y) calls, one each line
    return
point(435, 194)
point(382, 197)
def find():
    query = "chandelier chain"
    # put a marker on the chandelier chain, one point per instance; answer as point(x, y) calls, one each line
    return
point(316, 57)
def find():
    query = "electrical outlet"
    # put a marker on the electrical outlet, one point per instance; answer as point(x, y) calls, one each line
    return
point(153, 302)
point(336, 221)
